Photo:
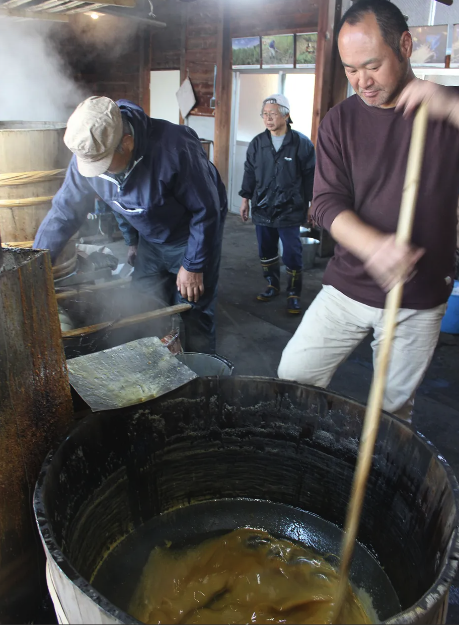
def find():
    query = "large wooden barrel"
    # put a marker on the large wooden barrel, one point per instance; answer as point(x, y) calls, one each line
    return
point(33, 160)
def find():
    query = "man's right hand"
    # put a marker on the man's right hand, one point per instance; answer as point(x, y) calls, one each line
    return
point(244, 210)
point(389, 263)
point(132, 255)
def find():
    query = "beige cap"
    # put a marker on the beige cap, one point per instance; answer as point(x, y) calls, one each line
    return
point(94, 131)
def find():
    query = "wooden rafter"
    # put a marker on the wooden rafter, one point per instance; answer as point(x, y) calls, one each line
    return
point(116, 3)
point(48, 4)
point(60, 10)
point(85, 9)
point(68, 5)
point(12, 4)
point(37, 15)
point(55, 10)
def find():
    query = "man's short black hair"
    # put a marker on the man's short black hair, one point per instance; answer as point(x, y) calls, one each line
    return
point(391, 20)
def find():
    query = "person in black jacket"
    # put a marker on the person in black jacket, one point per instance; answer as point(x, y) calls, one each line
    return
point(278, 179)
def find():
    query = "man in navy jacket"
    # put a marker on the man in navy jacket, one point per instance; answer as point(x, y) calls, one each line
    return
point(168, 197)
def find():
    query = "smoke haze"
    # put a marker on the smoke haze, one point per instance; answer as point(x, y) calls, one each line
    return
point(34, 83)
point(40, 60)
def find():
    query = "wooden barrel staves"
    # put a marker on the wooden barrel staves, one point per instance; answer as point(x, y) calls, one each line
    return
point(35, 412)
point(33, 160)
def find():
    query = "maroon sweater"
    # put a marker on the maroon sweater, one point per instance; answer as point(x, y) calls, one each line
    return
point(362, 155)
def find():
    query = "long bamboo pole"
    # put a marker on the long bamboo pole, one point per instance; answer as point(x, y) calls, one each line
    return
point(375, 401)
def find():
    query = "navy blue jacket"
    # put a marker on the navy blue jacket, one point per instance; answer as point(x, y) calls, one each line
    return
point(172, 195)
point(279, 184)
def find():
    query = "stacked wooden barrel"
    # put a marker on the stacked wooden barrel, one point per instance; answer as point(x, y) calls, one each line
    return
point(33, 160)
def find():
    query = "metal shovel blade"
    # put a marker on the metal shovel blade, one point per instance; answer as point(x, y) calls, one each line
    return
point(128, 374)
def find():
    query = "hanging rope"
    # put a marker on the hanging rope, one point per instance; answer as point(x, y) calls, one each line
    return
point(28, 177)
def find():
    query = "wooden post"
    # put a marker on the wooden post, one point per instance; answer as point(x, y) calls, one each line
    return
point(327, 51)
point(183, 27)
point(340, 82)
point(144, 68)
point(223, 92)
point(35, 412)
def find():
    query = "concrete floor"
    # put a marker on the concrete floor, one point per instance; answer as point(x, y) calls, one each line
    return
point(253, 334)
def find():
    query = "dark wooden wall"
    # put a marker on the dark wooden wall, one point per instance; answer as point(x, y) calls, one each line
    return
point(266, 17)
point(202, 20)
point(108, 57)
point(166, 43)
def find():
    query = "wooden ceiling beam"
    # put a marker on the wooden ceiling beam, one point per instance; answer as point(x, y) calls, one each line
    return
point(66, 6)
point(37, 15)
point(116, 3)
point(148, 21)
point(86, 9)
point(49, 4)
point(12, 4)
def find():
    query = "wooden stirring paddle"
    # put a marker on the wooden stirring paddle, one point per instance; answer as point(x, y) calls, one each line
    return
point(373, 412)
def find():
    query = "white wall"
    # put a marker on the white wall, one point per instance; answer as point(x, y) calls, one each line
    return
point(254, 88)
point(163, 101)
point(299, 89)
point(205, 128)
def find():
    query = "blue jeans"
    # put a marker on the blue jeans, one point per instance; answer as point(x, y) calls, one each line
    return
point(155, 273)
point(268, 242)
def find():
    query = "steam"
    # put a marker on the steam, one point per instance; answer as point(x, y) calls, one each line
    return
point(34, 82)
point(39, 60)
point(101, 41)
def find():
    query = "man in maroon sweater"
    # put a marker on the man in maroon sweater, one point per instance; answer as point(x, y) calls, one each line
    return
point(362, 154)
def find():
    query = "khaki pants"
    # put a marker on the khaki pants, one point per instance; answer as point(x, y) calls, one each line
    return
point(334, 325)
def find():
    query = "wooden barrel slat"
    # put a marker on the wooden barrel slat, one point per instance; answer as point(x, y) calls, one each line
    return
point(36, 151)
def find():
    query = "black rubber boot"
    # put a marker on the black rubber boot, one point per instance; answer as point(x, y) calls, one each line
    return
point(295, 279)
point(271, 272)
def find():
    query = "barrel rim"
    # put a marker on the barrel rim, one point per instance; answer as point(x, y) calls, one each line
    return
point(26, 128)
point(437, 593)
point(222, 360)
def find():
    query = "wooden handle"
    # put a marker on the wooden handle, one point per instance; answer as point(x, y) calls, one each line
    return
point(92, 287)
point(128, 321)
point(375, 401)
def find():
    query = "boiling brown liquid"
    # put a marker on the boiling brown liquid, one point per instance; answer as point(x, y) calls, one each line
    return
point(246, 576)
